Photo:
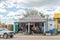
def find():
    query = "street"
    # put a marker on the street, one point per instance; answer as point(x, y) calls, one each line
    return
point(32, 37)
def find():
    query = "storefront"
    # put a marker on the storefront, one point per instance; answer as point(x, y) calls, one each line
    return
point(57, 21)
point(32, 24)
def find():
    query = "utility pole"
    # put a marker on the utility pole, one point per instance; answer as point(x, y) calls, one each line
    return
point(47, 20)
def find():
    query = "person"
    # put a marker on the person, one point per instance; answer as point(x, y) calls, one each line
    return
point(35, 29)
point(42, 29)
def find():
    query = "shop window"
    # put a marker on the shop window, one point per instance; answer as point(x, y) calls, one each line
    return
point(58, 20)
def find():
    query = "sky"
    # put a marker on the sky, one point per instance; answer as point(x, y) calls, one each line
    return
point(11, 10)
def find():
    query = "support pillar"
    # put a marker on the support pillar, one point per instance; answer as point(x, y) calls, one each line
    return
point(14, 28)
point(44, 29)
point(56, 23)
point(56, 26)
point(28, 28)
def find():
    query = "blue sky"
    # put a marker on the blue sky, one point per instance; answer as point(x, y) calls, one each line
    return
point(9, 14)
point(10, 8)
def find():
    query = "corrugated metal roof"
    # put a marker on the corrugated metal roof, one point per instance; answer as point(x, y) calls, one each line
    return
point(32, 18)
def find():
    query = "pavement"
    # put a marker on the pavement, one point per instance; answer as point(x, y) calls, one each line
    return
point(33, 37)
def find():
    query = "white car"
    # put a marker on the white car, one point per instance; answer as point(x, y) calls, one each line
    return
point(6, 33)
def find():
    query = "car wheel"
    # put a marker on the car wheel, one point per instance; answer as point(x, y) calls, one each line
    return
point(5, 36)
point(11, 36)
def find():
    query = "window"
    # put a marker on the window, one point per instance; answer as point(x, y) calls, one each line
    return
point(50, 24)
point(58, 20)
point(0, 30)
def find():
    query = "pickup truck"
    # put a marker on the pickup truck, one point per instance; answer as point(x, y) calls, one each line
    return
point(6, 33)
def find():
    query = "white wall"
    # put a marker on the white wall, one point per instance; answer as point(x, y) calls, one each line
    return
point(51, 25)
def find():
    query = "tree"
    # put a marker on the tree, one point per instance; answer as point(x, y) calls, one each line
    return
point(33, 12)
point(41, 14)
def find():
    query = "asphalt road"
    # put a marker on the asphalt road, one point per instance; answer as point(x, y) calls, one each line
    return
point(31, 37)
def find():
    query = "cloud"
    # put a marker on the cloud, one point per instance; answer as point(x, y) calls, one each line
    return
point(45, 6)
point(31, 3)
point(9, 3)
point(57, 10)
point(2, 5)
point(2, 1)
point(13, 16)
point(17, 14)
point(2, 10)
point(1, 19)
point(38, 3)
point(1, 16)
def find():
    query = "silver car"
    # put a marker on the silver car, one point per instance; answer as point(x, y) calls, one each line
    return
point(6, 33)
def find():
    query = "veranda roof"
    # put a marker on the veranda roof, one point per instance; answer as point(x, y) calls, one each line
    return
point(32, 18)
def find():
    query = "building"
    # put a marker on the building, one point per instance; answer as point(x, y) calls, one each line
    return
point(57, 21)
point(8, 26)
point(35, 24)
point(51, 26)
point(31, 23)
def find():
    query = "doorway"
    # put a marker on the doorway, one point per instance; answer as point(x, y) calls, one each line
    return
point(37, 27)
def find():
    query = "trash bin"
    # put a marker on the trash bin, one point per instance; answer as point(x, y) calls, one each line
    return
point(53, 32)
point(50, 31)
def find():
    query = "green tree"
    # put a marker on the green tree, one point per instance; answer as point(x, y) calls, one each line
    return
point(41, 14)
point(33, 12)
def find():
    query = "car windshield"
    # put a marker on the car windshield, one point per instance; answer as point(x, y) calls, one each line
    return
point(5, 29)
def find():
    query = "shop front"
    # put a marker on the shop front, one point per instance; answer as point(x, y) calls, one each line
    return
point(57, 21)
point(32, 24)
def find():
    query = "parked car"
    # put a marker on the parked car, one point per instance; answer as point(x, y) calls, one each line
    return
point(6, 33)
